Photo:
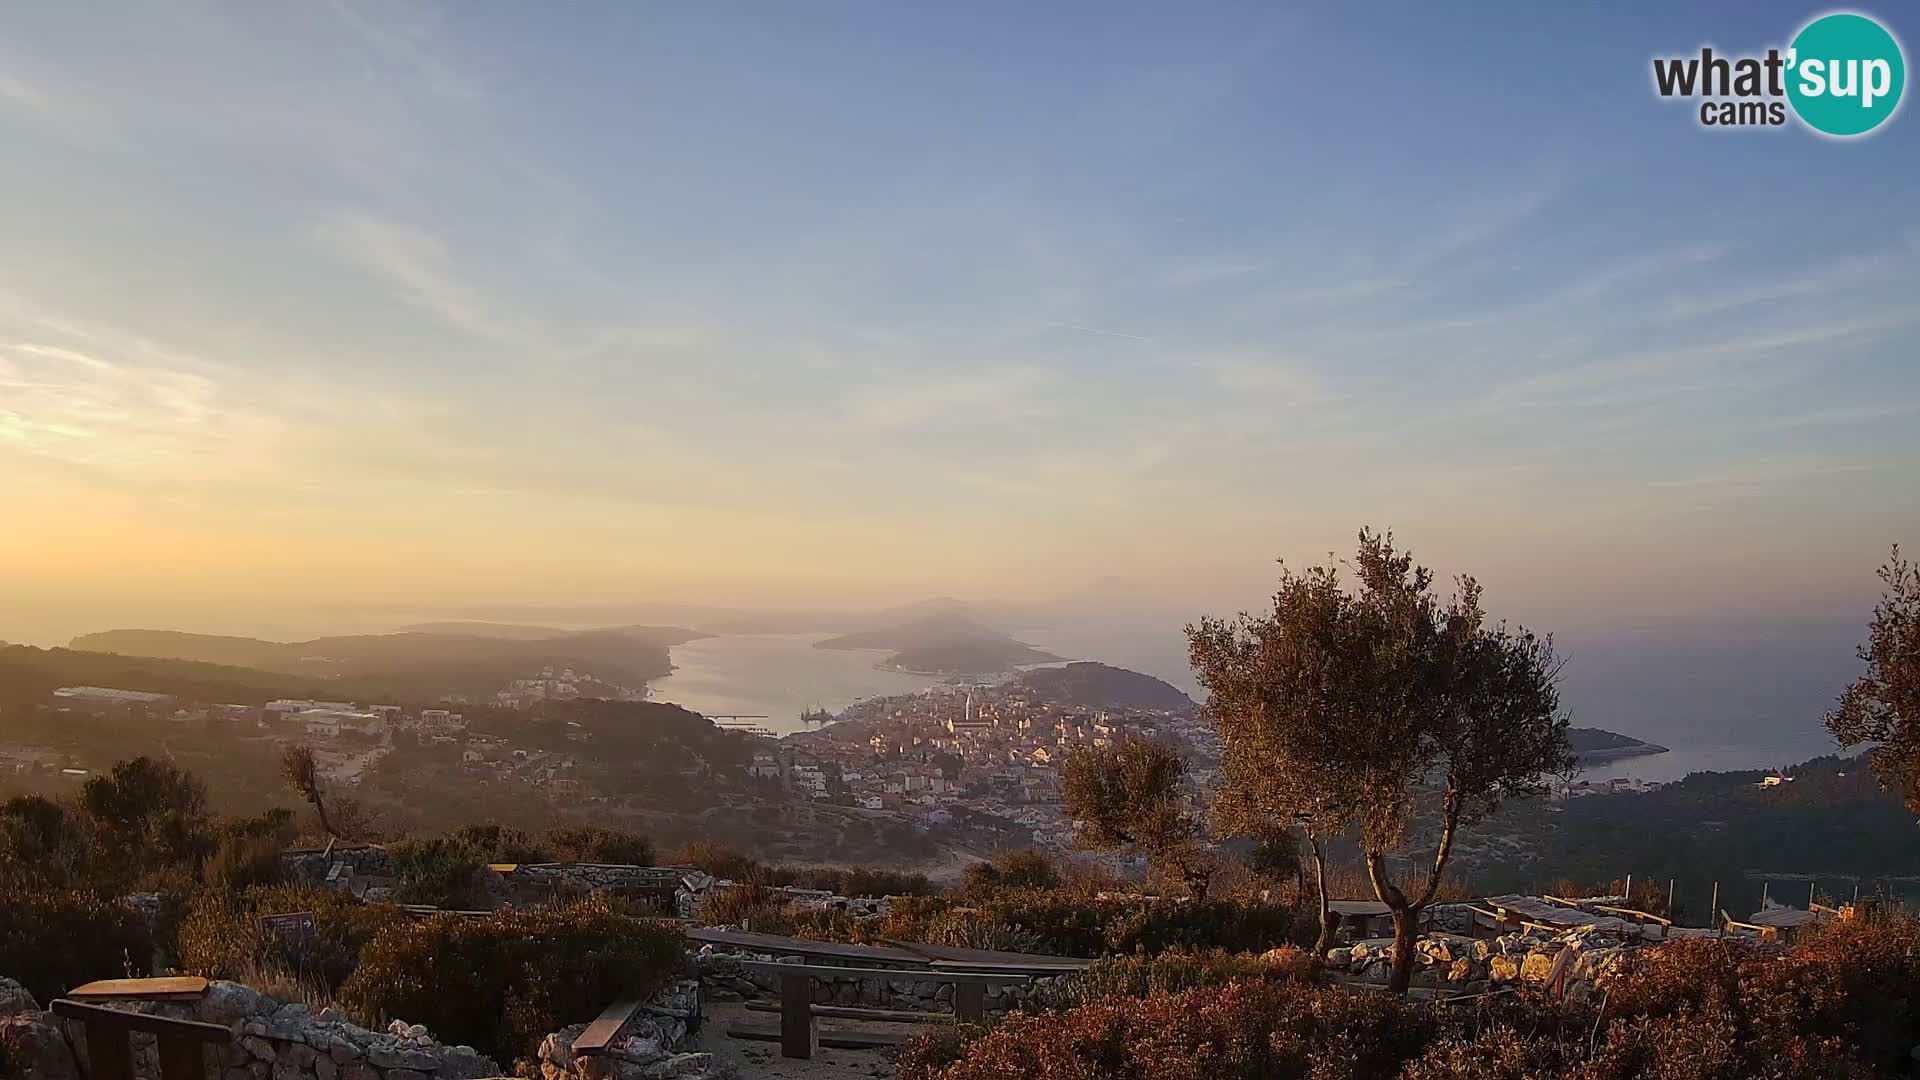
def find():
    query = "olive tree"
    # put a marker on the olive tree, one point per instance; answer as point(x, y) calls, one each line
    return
point(1883, 705)
point(1372, 708)
point(1133, 797)
point(302, 775)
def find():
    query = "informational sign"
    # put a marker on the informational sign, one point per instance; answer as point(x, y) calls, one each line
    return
point(294, 933)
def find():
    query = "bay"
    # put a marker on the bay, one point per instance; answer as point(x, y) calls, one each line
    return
point(778, 676)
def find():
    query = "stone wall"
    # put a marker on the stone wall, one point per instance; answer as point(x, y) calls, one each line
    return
point(274, 1042)
point(696, 888)
point(724, 977)
point(1475, 965)
point(290, 1042)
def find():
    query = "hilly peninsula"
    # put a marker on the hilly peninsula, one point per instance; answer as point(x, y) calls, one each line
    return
point(944, 644)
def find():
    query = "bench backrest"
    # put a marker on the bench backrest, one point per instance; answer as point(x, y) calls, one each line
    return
point(110, 1056)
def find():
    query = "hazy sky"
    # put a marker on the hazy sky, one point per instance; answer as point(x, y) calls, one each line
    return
point(312, 308)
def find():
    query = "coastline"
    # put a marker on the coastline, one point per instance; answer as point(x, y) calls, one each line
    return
point(1609, 754)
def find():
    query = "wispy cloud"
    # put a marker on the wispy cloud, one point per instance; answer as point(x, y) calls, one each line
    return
point(414, 265)
point(958, 399)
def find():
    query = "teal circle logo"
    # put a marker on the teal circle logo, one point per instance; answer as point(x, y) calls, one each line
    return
point(1845, 73)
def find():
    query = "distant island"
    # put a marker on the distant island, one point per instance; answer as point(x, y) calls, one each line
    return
point(1103, 686)
point(944, 644)
point(1595, 745)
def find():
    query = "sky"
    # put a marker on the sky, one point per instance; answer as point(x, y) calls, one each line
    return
point(314, 312)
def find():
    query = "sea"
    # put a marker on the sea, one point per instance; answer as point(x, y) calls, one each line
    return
point(1717, 706)
point(778, 676)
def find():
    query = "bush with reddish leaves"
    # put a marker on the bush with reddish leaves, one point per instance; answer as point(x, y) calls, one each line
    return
point(1241, 1031)
point(1839, 1005)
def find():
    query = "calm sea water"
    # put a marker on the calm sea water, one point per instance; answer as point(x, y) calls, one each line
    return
point(1718, 699)
point(778, 675)
point(1718, 705)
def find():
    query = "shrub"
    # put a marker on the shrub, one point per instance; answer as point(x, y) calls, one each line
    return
point(1026, 868)
point(493, 843)
point(220, 938)
point(444, 871)
point(1180, 969)
point(595, 844)
point(931, 1052)
point(1241, 1031)
point(721, 862)
point(502, 982)
point(241, 861)
point(743, 904)
point(1066, 922)
point(52, 941)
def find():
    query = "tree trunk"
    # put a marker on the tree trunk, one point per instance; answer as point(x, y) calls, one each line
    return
point(320, 808)
point(1327, 928)
point(1405, 923)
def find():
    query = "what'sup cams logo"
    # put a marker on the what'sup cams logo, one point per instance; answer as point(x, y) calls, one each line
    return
point(1842, 76)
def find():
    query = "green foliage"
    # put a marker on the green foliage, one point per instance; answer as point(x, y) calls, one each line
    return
point(243, 861)
point(42, 843)
point(53, 940)
point(1066, 922)
point(219, 934)
point(501, 983)
point(1176, 969)
point(1882, 707)
point(1340, 705)
point(720, 861)
point(597, 844)
point(1024, 868)
point(493, 843)
point(151, 810)
point(732, 865)
point(443, 871)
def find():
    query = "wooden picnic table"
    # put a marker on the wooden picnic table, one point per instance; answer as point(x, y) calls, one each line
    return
point(173, 988)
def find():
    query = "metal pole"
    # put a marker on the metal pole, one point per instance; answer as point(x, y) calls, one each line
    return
point(1713, 909)
point(1669, 898)
point(1810, 887)
point(1629, 888)
point(1763, 894)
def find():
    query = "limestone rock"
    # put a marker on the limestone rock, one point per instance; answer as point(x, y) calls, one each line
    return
point(31, 1040)
point(228, 1003)
point(1536, 967)
point(14, 999)
point(680, 1065)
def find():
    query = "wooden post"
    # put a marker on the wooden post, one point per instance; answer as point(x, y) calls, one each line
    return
point(970, 1002)
point(798, 1032)
point(1810, 888)
point(1713, 909)
point(108, 1053)
point(1629, 890)
point(1763, 894)
point(1669, 898)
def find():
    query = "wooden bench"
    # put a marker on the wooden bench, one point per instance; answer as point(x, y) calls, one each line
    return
point(799, 1035)
point(110, 1056)
point(606, 1028)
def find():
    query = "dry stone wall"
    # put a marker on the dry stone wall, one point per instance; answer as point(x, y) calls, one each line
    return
point(725, 977)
